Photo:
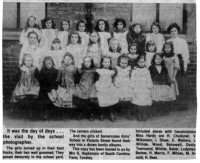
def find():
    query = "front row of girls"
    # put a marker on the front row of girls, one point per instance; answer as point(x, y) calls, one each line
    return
point(95, 90)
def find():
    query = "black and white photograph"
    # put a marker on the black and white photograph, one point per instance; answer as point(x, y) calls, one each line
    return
point(99, 65)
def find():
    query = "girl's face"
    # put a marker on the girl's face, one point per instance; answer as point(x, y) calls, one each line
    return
point(94, 37)
point(68, 61)
point(151, 47)
point(114, 45)
point(155, 29)
point(174, 32)
point(32, 39)
point(87, 62)
point(28, 61)
point(133, 49)
point(168, 49)
point(48, 64)
point(74, 38)
point(120, 25)
point(141, 62)
point(31, 22)
point(123, 63)
point(106, 63)
point(56, 46)
point(101, 25)
point(137, 29)
point(81, 27)
point(65, 25)
point(158, 60)
point(48, 24)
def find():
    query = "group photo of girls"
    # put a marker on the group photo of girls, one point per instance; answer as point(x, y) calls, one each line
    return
point(96, 74)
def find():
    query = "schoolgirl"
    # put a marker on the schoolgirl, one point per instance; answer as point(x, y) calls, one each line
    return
point(156, 36)
point(150, 52)
point(135, 35)
point(132, 56)
point(120, 33)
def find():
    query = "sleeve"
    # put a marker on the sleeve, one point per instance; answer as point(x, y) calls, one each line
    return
point(128, 39)
point(176, 62)
point(185, 53)
point(23, 37)
point(59, 77)
point(55, 85)
point(18, 75)
point(21, 55)
point(149, 80)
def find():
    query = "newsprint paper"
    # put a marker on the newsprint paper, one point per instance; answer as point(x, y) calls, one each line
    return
point(99, 80)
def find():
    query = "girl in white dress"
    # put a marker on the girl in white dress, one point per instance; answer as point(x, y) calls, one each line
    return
point(74, 47)
point(56, 52)
point(31, 25)
point(102, 28)
point(81, 27)
point(132, 56)
point(33, 49)
point(106, 91)
point(150, 51)
point(123, 84)
point(63, 34)
point(48, 33)
point(156, 36)
point(94, 48)
point(120, 33)
point(141, 84)
point(114, 51)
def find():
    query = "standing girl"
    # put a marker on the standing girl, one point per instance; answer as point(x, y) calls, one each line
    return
point(150, 51)
point(56, 52)
point(162, 93)
point(106, 91)
point(172, 64)
point(120, 33)
point(182, 51)
point(62, 96)
point(63, 34)
point(31, 25)
point(132, 56)
point(74, 47)
point(85, 91)
point(114, 51)
point(156, 36)
point(27, 88)
point(81, 27)
point(94, 48)
point(102, 28)
point(141, 84)
point(33, 49)
point(123, 83)
point(48, 33)
point(135, 36)
point(48, 76)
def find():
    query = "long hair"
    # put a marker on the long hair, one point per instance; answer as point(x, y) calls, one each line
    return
point(74, 33)
point(92, 63)
point(68, 55)
point(36, 25)
point(98, 41)
point(134, 44)
point(157, 25)
point(118, 47)
point(154, 57)
point(56, 40)
point(81, 21)
point(61, 23)
point(47, 58)
point(117, 20)
point(169, 43)
point(124, 56)
point(24, 57)
point(43, 22)
point(102, 59)
point(131, 28)
point(106, 25)
point(150, 42)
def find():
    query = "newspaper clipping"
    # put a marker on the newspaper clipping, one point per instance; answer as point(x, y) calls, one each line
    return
point(99, 80)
